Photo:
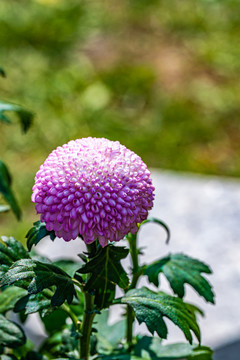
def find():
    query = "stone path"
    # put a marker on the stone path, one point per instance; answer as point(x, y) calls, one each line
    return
point(203, 214)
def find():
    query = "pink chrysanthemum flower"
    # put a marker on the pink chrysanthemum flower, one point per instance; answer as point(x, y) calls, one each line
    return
point(95, 188)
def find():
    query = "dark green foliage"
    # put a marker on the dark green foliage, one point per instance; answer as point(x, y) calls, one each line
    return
point(9, 296)
point(38, 276)
point(55, 321)
point(6, 190)
point(2, 72)
point(151, 307)
point(37, 233)
point(180, 269)
point(11, 250)
point(11, 335)
point(106, 272)
point(25, 116)
point(33, 303)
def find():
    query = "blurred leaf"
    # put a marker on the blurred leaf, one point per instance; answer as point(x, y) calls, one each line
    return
point(4, 208)
point(25, 116)
point(11, 250)
point(55, 321)
point(108, 336)
point(106, 272)
point(201, 353)
point(5, 189)
point(37, 233)
point(40, 276)
point(8, 357)
point(156, 350)
point(8, 298)
point(33, 355)
point(180, 269)
point(2, 72)
point(11, 335)
point(151, 307)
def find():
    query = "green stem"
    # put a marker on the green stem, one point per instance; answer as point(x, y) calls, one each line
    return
point(88, 315)
point(86, 326)
point(74, 318)
point(132, 239)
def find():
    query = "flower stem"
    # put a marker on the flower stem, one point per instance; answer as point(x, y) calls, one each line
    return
point(88, 315)
point(132, 239)
point(86, 326)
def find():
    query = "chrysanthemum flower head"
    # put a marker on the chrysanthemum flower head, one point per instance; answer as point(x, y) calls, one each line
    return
point(95, 188)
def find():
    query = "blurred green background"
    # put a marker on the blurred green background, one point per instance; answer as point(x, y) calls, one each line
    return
point(160, 76)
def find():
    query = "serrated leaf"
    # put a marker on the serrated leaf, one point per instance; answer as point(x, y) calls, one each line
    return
point(40, 276)
point(32, 303)
point(151, 307)
point(9, 296)
point(11, 335)
point(6, 190)
point(11, 250)
point(37, 233)
point(106, 272)
point(25, 116)
point(180, 269)
point(109, 336)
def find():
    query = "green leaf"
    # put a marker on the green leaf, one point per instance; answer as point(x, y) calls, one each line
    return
point(37, 233)
point(11, 335)
point(106, 272)
point(109, 336)
point(151, 307)
point(4, 208)
point(180, 269)
point(201, 353)
point(6, 191)
point(55, 321)
point(9, 296)
point(69, 266)
point(11, 250)
point(40, 276)
point(25, 116)
point(33, 355)
point(32, 303)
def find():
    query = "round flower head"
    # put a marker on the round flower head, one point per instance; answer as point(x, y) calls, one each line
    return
point(95, 188)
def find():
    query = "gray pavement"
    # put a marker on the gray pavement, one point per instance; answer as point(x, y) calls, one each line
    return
point(203, 214)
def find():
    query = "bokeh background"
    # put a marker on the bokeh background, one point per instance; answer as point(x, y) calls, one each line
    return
point(160, 76)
